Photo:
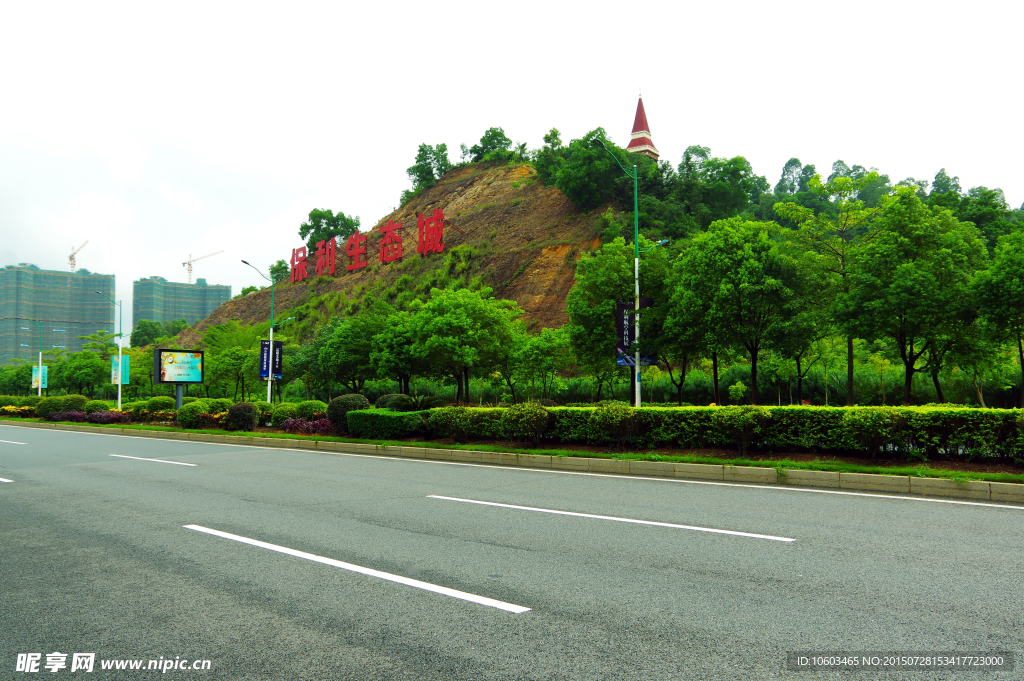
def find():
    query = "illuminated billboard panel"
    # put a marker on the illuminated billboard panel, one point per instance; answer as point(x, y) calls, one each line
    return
point(178, 366)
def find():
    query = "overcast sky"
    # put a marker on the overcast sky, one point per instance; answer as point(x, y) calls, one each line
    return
point(156, 132)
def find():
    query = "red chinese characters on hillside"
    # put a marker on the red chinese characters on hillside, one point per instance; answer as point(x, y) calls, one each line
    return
point(431, 240)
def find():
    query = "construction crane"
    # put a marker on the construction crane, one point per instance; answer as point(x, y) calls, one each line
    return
point(74, 251)
point(188, 263)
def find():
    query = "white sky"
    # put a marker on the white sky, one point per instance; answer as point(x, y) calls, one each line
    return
point(156, 132)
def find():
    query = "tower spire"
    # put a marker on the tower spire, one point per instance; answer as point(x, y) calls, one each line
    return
point(640, 140)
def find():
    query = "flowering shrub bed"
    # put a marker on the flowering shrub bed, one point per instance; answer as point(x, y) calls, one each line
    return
point(304, 427)
point(75, 416)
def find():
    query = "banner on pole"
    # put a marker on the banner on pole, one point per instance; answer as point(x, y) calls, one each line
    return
point(277, 360)
point(120, 377)
point(35, 377)
point(264, 360)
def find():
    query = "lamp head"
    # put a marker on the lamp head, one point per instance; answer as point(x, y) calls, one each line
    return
point(246, 263)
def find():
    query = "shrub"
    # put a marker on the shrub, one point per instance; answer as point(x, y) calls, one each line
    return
point(308, 409)
point(75, 402)
point(872, 428)
point(133, 409)
point(93, 406)
point(526, 421)
point(318, 427)
point(383, 400)
point(292, 425)
point(742, 424)
point(451, 422)
point(385, 424)
point(416, 403)
point(266, 410)
point(76, 416)
point(284, 411)
point(242, 416)
point(106, 417)
point(211, 421)
point(217, 405)
point(188, 415)
point(18, 412)
point(7, 401)
point(161, 403)
point(613, 421)
point(30, 401)
point(49, 404)
point(340, 406)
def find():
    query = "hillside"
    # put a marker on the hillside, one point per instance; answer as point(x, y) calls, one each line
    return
point(502, 226)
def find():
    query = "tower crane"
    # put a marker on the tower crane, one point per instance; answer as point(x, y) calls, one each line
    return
point(74, 251)
point(188, 263)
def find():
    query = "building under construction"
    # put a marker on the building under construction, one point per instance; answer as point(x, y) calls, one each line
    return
point(159, 300)
point(65, 303)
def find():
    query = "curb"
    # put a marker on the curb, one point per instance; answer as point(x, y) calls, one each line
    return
point(892, 484)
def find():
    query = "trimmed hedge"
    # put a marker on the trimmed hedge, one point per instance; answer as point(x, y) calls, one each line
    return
point(48, 405)
point(310, 408)
point(284, 411)
point(161, 403)
point(30, 401)
point(242, 416)
point(93, 406)
point(340, 406)
point(910, 433)
point(8, 401)
point(217, 405)
point(189, 414)
point(385, 424)
point(75, 402)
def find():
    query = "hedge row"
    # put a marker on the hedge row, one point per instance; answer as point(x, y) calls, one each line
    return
point(907, 432)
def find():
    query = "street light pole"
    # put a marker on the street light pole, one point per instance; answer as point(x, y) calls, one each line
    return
point(270, 374)
point(636, 268)
point(120, 343)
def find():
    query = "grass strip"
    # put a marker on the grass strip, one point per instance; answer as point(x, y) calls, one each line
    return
point(918, 471)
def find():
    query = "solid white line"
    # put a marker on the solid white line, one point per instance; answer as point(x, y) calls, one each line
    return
point(426, 586)
point(617, 519)
point(139, 458)
point(12, 442)
point(5, 480)
point(544, 470)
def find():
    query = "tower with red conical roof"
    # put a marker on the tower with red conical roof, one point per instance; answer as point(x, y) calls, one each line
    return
point(640, 142)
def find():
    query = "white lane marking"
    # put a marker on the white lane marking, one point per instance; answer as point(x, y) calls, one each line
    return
point(12, 442)
point(139, 458)
point(5, 480)
point(426, 586)
point(543, 470)
point(615, 518)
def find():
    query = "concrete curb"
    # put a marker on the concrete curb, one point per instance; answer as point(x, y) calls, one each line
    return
point(892, 484)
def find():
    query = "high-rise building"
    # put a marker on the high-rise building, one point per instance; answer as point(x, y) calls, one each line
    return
point(640, 139)
point(159, 300)
point(65, 302)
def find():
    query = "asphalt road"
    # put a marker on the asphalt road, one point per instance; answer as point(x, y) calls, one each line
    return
point(307, 565)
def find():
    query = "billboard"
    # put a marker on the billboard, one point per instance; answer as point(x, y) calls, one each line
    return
point(178, 366)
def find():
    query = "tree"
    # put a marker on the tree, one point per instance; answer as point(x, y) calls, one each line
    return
point(232, 334)
point(744, 282)
point(787, 184)
point(549, 159)
point(247, 290)
point(391, 351)
point(324, 224)
point(836, 238)
point(84, 370)
point(457, 331)
point(430, 166)
point(279, 272)
point(345, 353)
point(101, 342)
point(493, 140)
point(910, 283)
point(1000, 292)
point(602, 279)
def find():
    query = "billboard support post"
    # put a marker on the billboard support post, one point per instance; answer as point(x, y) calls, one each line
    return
point(179, 391)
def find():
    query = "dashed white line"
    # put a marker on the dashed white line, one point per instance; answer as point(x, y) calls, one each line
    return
point(695, 528)
point(139, 458)
point(426, 586)
point(5, 480)
point(11, 442)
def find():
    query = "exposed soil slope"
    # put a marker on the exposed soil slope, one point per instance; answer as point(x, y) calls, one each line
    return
point(525, 240)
